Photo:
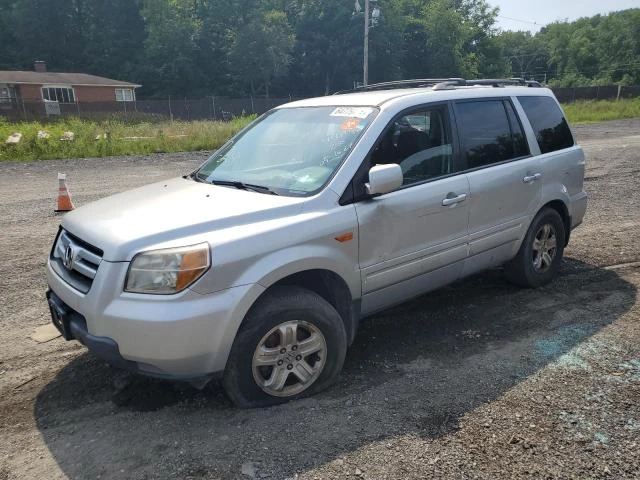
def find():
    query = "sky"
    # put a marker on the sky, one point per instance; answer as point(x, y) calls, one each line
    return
point(533, 14)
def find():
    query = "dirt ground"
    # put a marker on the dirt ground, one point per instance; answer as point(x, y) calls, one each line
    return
point(478, 380)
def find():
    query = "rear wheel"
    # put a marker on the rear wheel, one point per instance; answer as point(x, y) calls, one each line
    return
point(291, 344)
point(540, 256)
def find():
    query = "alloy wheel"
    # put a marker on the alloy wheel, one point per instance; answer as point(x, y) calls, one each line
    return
point(544, 248)
point(289, 358)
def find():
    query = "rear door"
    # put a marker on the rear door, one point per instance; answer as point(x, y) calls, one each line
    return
point(504, 179)
point(414, 239)
point(561, 160)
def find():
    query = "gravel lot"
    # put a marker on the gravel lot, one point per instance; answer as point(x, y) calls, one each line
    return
point(478, 380)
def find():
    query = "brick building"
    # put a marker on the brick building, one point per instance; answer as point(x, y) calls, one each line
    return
point(30, 90)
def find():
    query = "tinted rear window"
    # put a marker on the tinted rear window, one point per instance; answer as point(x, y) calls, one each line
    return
point(549, 125)
point(520, 146)
point(487, 133)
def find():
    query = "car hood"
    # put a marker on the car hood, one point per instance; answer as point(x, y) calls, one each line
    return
point(177, 210)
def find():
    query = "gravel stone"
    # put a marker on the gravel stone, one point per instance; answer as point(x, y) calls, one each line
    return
point(417, 398)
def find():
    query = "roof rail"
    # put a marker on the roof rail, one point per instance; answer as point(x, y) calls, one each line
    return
point(442, 84)
point(411, 83)
point(501, 82)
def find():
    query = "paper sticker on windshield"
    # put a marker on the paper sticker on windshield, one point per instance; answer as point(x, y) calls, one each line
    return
point(353, 112)
point(350, 124)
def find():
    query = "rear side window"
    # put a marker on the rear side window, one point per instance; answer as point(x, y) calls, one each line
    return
point(551, 128)
point(520, 146)
point(488, 134)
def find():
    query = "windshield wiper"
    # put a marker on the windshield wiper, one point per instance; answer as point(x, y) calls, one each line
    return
point(244, 186)
point(194, 176)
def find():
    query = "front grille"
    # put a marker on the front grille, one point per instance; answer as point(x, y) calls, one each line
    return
point(75, 261)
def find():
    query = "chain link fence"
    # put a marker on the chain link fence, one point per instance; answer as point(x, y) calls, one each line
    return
point(224, 108)
point(609, 92)
point(186, 109)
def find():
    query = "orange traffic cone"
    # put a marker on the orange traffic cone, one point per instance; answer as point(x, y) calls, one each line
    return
point(64, 199)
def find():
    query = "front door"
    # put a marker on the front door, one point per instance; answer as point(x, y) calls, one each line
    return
point(414, 239)
point(503, 180)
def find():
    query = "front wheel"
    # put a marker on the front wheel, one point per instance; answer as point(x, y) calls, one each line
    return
point(291, 344)
point(540, 256)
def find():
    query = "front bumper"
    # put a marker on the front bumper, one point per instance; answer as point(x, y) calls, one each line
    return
point(73, 326)
point(184, 336)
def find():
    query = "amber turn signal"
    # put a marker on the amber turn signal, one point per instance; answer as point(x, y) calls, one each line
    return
point(193, 264)
point(345, 237)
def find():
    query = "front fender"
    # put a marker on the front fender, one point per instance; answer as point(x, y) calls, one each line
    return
point(300, 259)
point(305, 242)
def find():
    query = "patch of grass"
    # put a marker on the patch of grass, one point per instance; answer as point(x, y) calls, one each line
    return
point(587, 111)
point(113, 137)
point(138, 136)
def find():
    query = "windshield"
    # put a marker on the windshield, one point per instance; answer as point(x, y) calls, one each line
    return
point(290, 151)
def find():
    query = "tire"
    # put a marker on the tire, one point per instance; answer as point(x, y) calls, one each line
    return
point(530, 268)
point(257, 363)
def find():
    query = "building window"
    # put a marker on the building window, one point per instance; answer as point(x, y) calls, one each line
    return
point(59, 94)
point(125, 95)
point(7, 94)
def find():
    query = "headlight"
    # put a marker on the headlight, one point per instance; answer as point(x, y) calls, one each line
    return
point(167, 271)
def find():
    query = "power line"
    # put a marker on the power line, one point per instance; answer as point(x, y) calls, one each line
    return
point(521, 21)
point(523, 55)
point(593, 72)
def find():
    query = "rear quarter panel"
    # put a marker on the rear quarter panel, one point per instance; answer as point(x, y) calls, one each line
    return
point(562, 171)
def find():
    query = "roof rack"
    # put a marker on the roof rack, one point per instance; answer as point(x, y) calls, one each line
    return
point(501, 82)
point(443, 84)
point(411, 83)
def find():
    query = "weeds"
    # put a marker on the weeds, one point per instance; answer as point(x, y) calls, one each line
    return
point(113, 137)
point(137, 136)
point(587, 111)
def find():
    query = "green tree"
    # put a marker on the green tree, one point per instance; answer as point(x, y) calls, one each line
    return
point(445, 38)
point(261, 50)
point(306, 47)
point(219, 19)
point(385, 42)
point(171, 48)
point(527, 55)
point(8, 57)
point(55, 36)
point(482, 49)
point(114, 35)
point(328, 51)
point(594, 51)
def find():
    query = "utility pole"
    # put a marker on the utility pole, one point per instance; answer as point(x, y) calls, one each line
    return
point(371, 18)
point(365, 79)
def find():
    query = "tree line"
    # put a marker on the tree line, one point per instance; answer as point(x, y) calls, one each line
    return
point(306, 47)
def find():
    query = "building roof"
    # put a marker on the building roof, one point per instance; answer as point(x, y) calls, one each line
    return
point(78, 79)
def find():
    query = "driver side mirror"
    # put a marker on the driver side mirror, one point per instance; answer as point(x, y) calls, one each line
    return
point(384, 179)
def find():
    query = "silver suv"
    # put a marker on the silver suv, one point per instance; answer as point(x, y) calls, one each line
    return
point(258, 266)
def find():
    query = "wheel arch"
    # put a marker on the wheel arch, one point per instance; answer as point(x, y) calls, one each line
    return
point(562, 209)
point(331, 287)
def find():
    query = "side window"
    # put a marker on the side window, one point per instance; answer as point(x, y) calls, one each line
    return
point(420, 142)
point(520, 145)
point(485, 132)
point(551, 128)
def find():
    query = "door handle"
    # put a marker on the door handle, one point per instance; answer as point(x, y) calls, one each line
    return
point(451, 200)
point(531, 178)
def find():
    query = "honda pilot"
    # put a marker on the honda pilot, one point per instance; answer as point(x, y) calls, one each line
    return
point(257, 267)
